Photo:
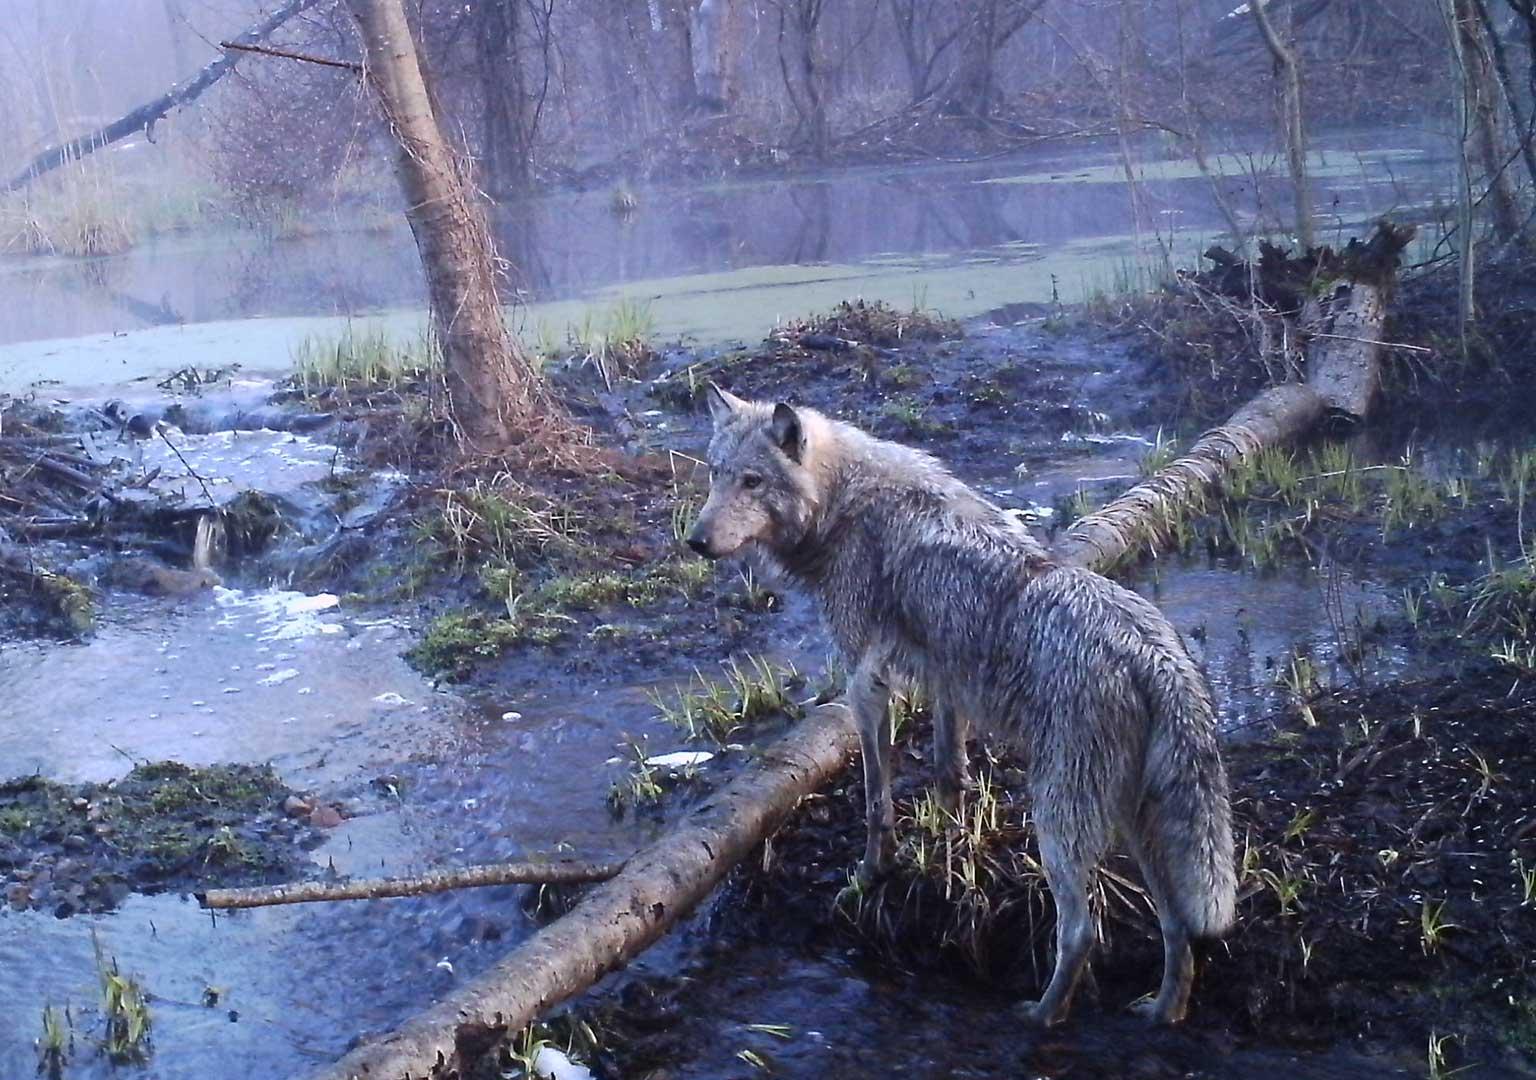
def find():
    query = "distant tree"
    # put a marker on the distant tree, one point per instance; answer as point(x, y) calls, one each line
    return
point(991, 24)
point(799, 63)
point(926, 31)
point(709, 23)
point(1292, 116)
point(514, 60)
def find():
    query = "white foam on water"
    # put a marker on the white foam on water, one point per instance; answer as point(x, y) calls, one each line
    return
point(282, 614)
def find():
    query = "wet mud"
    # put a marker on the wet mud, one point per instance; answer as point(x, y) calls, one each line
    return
point(165, 827)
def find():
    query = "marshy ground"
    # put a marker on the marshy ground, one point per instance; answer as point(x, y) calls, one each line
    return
point(1389, 859)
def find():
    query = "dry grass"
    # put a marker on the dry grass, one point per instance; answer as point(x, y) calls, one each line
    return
point(861, 322)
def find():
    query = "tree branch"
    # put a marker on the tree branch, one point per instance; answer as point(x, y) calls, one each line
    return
point(527, 872)
point(264, 50)
point(145, 116)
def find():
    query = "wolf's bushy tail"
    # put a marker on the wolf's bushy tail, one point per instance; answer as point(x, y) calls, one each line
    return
point(1186, 814)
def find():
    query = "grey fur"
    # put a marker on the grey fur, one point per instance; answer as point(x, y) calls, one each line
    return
point(920, 577)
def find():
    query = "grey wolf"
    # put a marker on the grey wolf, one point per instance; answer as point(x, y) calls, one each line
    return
point(921, 578)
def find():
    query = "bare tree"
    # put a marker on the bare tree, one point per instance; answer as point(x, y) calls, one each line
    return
point(925, 37)
point(708, 25)
point(799, 31)
point(492, 389)
point(1288, 73)
point(992, 24)
point(1465, 235)
point(510, 37)
point(1479, 87)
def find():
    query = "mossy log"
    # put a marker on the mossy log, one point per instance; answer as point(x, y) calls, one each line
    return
point(618, 919)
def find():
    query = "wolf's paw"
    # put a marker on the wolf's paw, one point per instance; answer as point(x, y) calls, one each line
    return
point(1154, 1011)
point(951, 795)
point(873, 870)
point(1038, 1014)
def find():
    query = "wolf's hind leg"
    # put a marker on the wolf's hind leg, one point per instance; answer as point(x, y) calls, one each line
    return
point(869, 694)
point(1066, 873)
point(1172, 1000)
point(949, 760)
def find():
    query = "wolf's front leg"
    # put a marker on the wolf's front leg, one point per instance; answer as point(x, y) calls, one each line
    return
point(949, 761)
point(869, 694)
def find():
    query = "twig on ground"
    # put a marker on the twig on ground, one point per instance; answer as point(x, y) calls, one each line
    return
point(526, 872)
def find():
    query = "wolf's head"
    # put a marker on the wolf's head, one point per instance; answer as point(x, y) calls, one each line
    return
point(762, 486)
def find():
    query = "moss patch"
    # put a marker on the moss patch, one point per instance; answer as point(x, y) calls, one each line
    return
point(163, 826)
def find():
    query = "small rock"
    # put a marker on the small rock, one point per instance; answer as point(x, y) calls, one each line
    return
point(79, 802)
point(297, 806)
point(325, 817)
point(76, 842)
point(18, 896)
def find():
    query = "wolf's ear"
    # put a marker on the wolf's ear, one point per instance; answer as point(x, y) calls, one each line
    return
point(722, 404)
point(788, 433)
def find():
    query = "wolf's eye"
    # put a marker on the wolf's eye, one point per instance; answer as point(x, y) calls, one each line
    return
point(751, 480)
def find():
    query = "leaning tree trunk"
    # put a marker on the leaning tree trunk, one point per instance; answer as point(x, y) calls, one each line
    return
point(493, 391)
point(1288, 71)
point(659, 885)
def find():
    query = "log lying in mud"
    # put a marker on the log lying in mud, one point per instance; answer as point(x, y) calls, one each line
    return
point(618, 919)
point(527, 872)
point(1142, 516)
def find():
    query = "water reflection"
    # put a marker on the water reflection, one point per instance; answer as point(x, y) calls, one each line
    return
point(570, 245)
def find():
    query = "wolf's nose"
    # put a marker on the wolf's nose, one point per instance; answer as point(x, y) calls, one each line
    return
point(699, 545)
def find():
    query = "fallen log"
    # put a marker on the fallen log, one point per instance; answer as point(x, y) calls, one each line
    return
point(527, 872)
point(1144, 515)
point(1343, 322)
point(146, 115)
point(618, 919)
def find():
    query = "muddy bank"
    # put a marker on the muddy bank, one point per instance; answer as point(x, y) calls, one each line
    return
point(163, 827)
